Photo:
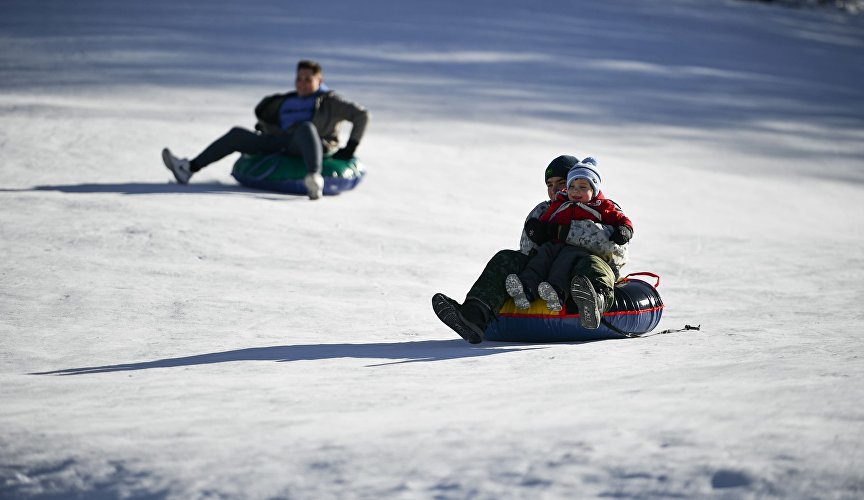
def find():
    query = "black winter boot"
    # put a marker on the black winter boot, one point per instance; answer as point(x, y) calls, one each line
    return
point(588, 302)
point(450, 313)
point(478, 313)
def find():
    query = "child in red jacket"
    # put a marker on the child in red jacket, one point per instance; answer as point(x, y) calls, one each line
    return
point(547, 273)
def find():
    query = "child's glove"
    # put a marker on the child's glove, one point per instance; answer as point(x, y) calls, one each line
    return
point(538, 232)
point(621, 235)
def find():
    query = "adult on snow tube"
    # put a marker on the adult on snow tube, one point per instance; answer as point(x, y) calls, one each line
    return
point(304, 122)
point(285, 174)
point(487, 295)
point(636, 310)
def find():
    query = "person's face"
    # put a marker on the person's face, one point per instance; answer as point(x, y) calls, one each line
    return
point(555, 184)
point(307, 82)
point(579, 190)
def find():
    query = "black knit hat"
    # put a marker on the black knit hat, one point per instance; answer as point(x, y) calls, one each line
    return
point(560, 166)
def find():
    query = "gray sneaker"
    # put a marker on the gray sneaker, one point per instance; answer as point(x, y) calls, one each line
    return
point(178, 166)
point(547, 293)
point(314, 183)
point(589, 304)
point(514, 288)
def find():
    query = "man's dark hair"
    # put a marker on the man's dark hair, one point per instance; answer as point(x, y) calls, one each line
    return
point(309, 64)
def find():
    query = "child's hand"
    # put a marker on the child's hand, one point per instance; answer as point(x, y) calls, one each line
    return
point(621, 235)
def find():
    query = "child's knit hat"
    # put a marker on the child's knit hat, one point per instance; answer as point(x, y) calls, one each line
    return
point(560, 166)
point(586, 169)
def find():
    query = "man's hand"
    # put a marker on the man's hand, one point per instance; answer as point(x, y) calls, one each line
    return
point(538, 232)
point(347, 152)
point(621, 235)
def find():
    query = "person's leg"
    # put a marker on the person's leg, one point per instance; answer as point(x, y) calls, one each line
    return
point(306, 143)
point(483, 300)
point(601, 276)
point(538, 267)
point(555, 287)
point(592, 289)
point(488, 291)
point(239, 140)
point(562, 269)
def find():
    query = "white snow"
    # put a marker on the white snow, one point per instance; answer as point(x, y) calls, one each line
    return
point(212, 341)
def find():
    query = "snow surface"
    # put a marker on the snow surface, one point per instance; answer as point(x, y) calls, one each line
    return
point(212, 341)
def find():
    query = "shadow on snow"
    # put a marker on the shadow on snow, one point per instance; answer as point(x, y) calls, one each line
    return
point(399, 352)
point(157, 188)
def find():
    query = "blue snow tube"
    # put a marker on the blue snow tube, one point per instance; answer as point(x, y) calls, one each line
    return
point(636, 310)
point(285, 174)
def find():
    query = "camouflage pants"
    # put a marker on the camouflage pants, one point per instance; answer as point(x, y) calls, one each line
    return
point(600, 274)
point(489, 287)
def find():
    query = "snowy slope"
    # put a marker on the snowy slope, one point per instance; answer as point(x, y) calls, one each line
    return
point(211, 341)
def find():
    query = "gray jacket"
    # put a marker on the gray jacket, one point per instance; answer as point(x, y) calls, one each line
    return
point(330, 111)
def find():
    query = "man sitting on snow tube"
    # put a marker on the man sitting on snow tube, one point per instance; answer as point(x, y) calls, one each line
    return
point(488, 295)
point(302, 123)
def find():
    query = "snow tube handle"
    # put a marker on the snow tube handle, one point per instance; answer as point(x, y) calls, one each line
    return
point(656, 285)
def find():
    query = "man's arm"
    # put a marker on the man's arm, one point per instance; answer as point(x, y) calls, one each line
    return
point(526, 245)
point(352, 112)
point(267, 112)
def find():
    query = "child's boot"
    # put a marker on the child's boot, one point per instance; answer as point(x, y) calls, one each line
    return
point(514, 288)
point(548, 293)
point(590, 304)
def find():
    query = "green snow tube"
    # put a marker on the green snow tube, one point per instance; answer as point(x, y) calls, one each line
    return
point(285, 174)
